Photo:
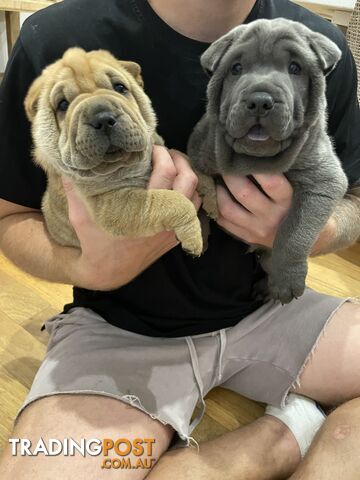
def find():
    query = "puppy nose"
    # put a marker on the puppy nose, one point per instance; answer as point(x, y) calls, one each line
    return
point(103, 121)
point(260, 103)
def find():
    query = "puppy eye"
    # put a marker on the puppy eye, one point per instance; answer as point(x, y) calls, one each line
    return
point(120, 88)
point(236, 69)
point(63, 105)
point(294, 68)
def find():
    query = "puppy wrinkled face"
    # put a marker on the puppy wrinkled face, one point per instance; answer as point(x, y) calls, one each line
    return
point(265, 97)
point(265, 94)
point(91, 115)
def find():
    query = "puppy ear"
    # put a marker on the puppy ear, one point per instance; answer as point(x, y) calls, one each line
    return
point(211, 58)
point(134, 69)
point(326, 50)
point(32, 98)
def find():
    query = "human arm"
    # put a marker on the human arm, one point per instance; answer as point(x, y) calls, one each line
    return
point(343, 227)
point(256, 217)
point(104, 262)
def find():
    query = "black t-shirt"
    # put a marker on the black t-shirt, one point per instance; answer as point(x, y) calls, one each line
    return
point(178, 295)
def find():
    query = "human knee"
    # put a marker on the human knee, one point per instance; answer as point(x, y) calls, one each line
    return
point(89, 417)
point(344, 421)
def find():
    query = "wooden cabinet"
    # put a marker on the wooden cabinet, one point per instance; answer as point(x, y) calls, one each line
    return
point(337, 11)
point(12, 9)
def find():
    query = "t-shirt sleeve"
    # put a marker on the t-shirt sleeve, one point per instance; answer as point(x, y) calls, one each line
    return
point(21, 181)
point(344, 114)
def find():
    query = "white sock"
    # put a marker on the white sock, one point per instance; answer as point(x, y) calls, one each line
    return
point(303, 418)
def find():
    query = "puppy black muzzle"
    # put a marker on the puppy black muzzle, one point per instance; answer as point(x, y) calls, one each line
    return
point(104, 122)
point(259, 104)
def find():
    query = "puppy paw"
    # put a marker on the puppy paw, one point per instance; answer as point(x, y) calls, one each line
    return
point(190, 237)
point(194, 247)
point(207, 191)
point(285, 288)
point(209, 204)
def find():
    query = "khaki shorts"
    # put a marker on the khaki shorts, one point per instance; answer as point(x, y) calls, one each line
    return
point(261, 358)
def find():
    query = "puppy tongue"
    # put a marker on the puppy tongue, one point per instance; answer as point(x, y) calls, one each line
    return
point(258, 134)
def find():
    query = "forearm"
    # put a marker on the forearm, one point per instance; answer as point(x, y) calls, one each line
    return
point(343, 228)
point(24, 240)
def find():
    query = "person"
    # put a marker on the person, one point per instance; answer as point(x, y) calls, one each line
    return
point(151, 330)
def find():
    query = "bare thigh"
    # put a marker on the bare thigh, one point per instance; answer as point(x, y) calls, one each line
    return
point(332, 375)
point(80, 416)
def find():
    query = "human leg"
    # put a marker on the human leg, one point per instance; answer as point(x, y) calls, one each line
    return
point(332, 376)
point(79, 416)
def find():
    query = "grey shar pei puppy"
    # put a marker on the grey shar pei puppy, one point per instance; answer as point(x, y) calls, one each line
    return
point(266, 113)
point(92, 121)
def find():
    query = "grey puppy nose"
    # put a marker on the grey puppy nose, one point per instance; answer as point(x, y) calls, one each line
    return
point(260, 103)
point(104, 121)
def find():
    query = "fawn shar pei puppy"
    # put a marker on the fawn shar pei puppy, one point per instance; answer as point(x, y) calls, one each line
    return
point(266, 113)
point(92, 122)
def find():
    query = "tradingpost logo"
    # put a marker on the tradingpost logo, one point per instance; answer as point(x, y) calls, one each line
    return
point(125, 453)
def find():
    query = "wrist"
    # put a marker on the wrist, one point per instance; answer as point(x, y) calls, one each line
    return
point(118, 265)
point(93, 276)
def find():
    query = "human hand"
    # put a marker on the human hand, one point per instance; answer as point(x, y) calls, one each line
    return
point(255, 216)
point(105, 262)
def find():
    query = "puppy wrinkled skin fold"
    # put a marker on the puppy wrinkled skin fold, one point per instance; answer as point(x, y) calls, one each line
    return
point(266, 113)
point(92, 122)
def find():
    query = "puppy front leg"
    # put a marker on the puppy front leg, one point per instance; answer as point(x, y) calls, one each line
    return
point(207, 191)
point(287, 267)
point(140, 213)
